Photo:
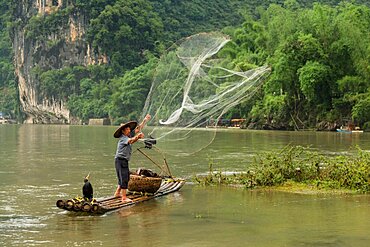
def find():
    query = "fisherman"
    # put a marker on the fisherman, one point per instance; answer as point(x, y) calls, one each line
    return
point(87, 189)
point(128, 134)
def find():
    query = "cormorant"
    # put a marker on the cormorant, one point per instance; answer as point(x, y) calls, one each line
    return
point(87, 189)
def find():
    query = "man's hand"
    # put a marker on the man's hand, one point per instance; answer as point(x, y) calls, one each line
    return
point(136, 138)
point(140, 135)
point(141, 126)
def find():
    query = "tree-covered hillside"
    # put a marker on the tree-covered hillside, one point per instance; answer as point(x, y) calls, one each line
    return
point(319, 55)
point(320, 59)
point(8, 88)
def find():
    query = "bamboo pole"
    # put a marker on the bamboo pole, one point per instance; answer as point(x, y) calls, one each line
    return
point(69, 204)
point(60, 203)
point(149, 158)
point(86, 207)
point(77, 206)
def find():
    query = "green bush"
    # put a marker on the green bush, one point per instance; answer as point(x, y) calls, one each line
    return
point(366, 126)
point(295, 163)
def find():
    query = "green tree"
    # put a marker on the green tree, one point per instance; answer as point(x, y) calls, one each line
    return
point(9, 102)
point(130, 91)
point(316, 65)
point(125, 30)
point(315, 81)
point(360, 111)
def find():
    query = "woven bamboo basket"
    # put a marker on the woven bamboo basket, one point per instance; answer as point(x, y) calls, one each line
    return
point(144, 184)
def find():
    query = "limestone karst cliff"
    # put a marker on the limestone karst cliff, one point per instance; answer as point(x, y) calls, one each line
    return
point(62, 45)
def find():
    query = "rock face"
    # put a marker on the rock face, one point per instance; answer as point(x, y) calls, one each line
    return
point(63, 46)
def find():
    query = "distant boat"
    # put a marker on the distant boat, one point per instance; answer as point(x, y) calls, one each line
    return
point(7, 121)
point(237, 122)
point(347, 130)
point(226, 123)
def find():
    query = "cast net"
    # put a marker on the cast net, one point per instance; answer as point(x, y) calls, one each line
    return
point(192, 88)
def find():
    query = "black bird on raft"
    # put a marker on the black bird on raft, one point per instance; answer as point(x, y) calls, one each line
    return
point(87, 189)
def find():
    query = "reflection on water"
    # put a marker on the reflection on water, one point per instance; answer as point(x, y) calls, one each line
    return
point(40, 164)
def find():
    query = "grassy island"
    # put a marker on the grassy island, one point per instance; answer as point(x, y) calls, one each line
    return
point(296, 169)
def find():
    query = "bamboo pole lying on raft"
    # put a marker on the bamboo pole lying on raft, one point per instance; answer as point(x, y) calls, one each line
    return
point(86, 206)
point(69, 204)
point(60, 203)
point(95, 208)
point(77, 206)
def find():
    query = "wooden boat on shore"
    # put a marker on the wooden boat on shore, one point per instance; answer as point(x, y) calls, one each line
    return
point(345, 130)
point(350, 128)
point(103, 205)
point(350, 131)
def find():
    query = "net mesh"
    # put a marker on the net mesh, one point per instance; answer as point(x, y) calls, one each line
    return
point(191, 87)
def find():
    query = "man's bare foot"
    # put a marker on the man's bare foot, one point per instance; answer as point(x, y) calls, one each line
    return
point(126, 200)
point(118, 192)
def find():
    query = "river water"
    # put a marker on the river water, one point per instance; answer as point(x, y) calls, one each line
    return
point(40, 164)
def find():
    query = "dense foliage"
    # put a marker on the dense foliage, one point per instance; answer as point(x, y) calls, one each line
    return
point(319, 55)
point(320, 61)
point(8, 88)
point(302, 166)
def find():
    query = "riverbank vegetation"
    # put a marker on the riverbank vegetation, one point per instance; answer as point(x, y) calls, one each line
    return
point(318, 52)
point(295, 168)
point(9, 102)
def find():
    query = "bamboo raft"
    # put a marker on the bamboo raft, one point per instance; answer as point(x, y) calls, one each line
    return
point(103, 205)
